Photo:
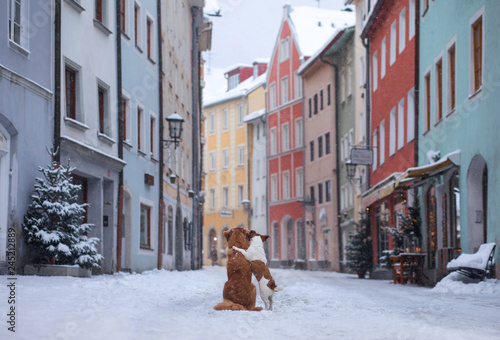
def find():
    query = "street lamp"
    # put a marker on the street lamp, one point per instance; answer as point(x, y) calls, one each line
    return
point(351, 169)
point(247, 206)
point(174, 130)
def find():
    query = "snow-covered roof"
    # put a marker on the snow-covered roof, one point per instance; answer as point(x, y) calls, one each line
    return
point(239, 91)
point(337, 33)
point(235, 66)
point(254, 115)
point(261, 60)
point(314, 26)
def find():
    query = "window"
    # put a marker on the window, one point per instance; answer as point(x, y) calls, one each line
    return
point(298, 86)
point(411, 19)
point(102, 99)
point(225, 197)
point(382, 142)
point(402, 30)
point(212, 199)
point(123, 15)
point(311, 150)
point(361, 71)
point(375, 75)
point(285, 134)
point(18, 22)
point(240, 114)
point(257, 134)
point(225, 158)
point(263, 202)
point(170, 226)
point(234, 81)
point(272, 141)
point(299, 133)
point(100, 11)
point(256, 206)
point(310, 107)
point(72, 78)
point(241, 155)
point(392, 52)
point(342, 84)
point(137, 25)
point(410, 120)
point(140, 129)
point(152, 135)
point(264, 170)
point(427, 101)
point(375, 146)
point(284, 49)
point(401, 123)
point(382, 58)
point(320, 146)
point(299, 180)
point(212, 122)
point(274, 188)
point(351, 142)
point(145, 227)
point(126, 118)
point(286, 185)
point(240, 194)
point(212, 161)
point(224, 119)
point(321, 100)
point(320, 193)
point(439, 90)
point(272, 96)
point(276, 241)
point(477, 54)
point(451, 78)
point(349, 80)
point(328, 191)
point(315, 103)
point(257, 169)
point(284, 90)
point(150, 38)
point(327, 143)
point(311, 193)
point(329, 94)
point(392, 132)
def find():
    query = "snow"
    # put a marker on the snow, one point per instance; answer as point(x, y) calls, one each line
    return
point(239, 91)
point(254, 115)
point(314, 26)
point(477, 260)
point(313, 305)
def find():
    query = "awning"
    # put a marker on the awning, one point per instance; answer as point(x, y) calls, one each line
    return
point(415, 176)
point(382, 189)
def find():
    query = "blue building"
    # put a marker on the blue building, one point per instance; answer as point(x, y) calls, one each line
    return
point(458, 157)
point(26, 112)
point(141, 240)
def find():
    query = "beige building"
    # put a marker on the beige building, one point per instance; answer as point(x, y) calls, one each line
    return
point(226, 156)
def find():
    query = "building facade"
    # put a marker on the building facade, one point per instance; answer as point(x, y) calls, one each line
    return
point(226, 155)
point(26, 115)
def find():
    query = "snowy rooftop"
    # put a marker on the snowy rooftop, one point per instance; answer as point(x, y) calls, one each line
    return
point(241, 90)
point(314, 26)
point(254, 115)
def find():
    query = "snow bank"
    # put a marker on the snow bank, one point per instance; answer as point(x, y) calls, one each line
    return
point(457, 283)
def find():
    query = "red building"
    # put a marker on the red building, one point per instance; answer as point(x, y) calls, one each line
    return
point(391, 32)
point(302, 32)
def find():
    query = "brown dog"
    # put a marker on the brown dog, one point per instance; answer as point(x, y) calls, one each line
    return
point(239, 292)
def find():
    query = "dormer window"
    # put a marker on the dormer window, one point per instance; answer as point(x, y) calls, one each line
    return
point(234, 80)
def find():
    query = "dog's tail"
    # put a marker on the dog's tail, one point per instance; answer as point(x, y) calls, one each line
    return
point(229, 305)
point(278, 289)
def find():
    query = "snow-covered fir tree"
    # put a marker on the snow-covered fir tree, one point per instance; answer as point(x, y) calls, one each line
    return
point(359, 250)
point(53, 224)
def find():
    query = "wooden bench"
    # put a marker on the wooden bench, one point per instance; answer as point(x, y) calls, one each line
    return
point(478, 265)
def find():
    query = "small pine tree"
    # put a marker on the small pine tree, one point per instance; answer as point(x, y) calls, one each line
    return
point(359, 250)
point(52, 226)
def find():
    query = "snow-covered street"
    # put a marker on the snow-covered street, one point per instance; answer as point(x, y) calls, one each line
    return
point(313, 305)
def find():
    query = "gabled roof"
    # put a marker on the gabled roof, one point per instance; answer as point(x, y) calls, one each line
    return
point(314, 26)
point(241, 90)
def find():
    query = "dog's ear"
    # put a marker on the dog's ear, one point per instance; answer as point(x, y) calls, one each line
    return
point(251, 234)
point(264, 237)
point(227, 234)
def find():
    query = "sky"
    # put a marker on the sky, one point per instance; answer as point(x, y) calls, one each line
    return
point(246, 30)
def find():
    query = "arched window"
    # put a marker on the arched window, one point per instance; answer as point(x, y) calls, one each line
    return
point(276, 241)
point(224, 243)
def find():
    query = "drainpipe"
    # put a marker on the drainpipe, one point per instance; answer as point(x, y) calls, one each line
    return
point(161, 208)
point(249, 171)
point(337, 161)
point(120, 134)
point(417, 77)
point(195, 74)
point(366, 44)
point(57, 80)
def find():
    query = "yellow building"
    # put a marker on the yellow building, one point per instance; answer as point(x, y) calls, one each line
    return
point(226, 156)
